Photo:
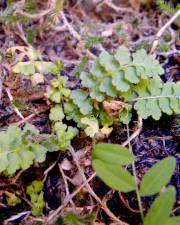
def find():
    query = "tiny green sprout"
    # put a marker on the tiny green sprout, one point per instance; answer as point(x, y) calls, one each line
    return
point(167, 37)
point(35, 191)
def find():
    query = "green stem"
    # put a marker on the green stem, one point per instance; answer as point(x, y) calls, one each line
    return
point(136, 179)
point(154, 97)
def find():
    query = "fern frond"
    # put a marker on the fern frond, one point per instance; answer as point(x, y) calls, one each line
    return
point(155, 98)
point(19, 149)
point(112, 74)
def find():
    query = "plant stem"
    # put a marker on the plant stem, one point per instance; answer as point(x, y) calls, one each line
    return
point(135, 179)
point(154, 97)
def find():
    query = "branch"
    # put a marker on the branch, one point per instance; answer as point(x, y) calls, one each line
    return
point(161, 31)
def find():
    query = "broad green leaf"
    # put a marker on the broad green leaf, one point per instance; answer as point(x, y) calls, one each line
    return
point(27, 158)
point(108, 61)
point(93, 126)
point(173, 220)
point(56, 113)
point(96, 70)
point(112, 153)
point(119, 82)
point(33, 54)
point(96, 94)
point(106, 87)
point(87, 80)
point(55, 96)
point(44, 67)
point(25, 68)
point(40, 152)
point(86, 106)
point(78, 95)
point(123, 55)
point(157, 177)
point(31, 129)
point(131, 75)
point(125, 116)
point(14, 162)
point(114, 176)
point(161, 208)
point(153, 108)
point(3, 161)
point(164, 103)
point(106, 120)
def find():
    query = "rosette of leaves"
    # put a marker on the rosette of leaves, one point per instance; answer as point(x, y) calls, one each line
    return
point(35, 191)
point(64, 134)
point(20, 148)
point(34, 64)
point(113, 75)
point(58, 89)
point(135, 78)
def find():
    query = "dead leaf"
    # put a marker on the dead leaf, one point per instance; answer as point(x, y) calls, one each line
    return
point(37, 78)
point(66, 165)
point(113, 107)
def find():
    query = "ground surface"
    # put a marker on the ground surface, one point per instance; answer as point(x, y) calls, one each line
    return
point(126, 23)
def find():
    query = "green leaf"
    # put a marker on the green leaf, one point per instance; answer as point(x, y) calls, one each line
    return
point(25, 68)
point(157, 177)
point(93, 126)
point(27, 158)
point(3, 162)
point(106, 87)
point(97, 95)
point(44, 67)
point(87, 80)
point(20, 148)
point(119, 82)
point(78, 95)
point(161, 208)
point(123, 55)
point(35, 191)
point(106, 120)
point(155, 98)
point(108, 61)
point(12, 199)
point(56, 113)
point(131, 75)
point(40, 152)
point(125, 116)
point(114, 176)
point(113, 153)
point(86, 106)
point(97, 70)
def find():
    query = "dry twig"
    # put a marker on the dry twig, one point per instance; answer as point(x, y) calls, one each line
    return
point(53, 216)
point(135, 134)
point(15, 108)
point(161, 31)
point(75, 34)
point(90, 190)
point(66, 186)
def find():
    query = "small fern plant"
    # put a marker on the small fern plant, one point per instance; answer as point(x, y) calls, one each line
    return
point(20, 148)
point(116, 84)
point(35, 191)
